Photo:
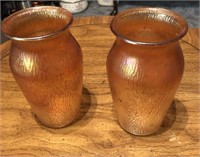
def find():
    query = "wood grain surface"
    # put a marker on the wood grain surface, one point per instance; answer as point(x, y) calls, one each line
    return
point(97, 133)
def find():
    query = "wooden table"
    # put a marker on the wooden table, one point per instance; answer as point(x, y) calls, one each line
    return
point(97, 132)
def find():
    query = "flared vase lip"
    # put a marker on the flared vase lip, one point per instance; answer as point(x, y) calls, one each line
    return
point(155, 10)
point(35, 9)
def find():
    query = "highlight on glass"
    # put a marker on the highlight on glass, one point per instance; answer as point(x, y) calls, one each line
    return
point(46, 62)
point(145, 66)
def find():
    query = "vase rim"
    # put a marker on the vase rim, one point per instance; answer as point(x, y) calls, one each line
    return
point(37, 9)
point(155, 10)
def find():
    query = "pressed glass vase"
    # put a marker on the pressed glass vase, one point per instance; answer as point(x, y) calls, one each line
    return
point(46, 62)
point(145, 66)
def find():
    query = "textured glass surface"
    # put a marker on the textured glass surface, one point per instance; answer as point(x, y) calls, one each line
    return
point(36, 22)
point(149, 26)
point(47, 63)
point(145, 67)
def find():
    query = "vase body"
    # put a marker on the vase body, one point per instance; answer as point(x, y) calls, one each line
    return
point(46, 62)
point(144, 67)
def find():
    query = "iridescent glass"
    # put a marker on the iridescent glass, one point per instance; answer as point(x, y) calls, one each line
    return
point(145, 66)
point(46, 62)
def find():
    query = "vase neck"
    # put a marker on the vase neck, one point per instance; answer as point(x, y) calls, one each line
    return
point(35, 45)
point(36, 23)
point(149, 26)
point(145, 49)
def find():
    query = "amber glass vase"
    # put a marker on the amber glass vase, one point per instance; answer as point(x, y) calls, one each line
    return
point(145, 66)
point(46, 62)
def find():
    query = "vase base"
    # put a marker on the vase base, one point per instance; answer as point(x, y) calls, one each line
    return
point(59, 126)
point(139, 132)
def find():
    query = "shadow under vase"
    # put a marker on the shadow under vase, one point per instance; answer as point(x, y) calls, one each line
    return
point(88, 107)
point(175, 119)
